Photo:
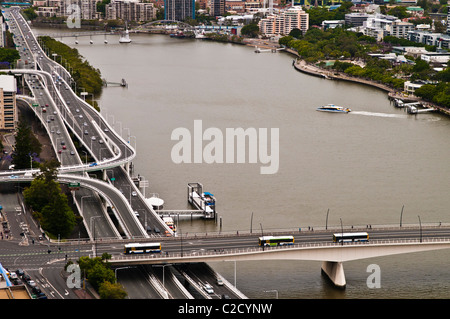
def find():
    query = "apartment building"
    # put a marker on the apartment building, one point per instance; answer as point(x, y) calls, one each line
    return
point(285, 22)
point(179, 10)
point(217, 7)
point(130, 10)
point(87, 9)
point(400, 29)
point(8, 108)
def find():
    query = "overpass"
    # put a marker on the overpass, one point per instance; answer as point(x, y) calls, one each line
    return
point(114, 155)
point(317, 247)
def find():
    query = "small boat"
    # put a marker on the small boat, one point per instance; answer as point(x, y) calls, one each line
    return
point(200, 35)
point(125, 38)
point(333, 108)
point(179, 35)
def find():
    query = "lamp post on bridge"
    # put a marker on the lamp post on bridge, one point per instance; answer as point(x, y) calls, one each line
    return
point(342, 231)
point(262, 235)
point(401, 215)
point(420, 227)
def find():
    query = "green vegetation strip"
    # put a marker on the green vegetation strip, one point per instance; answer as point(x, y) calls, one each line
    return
point(85, 75)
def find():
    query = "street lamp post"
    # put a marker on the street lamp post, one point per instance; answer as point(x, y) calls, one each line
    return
point(420, 227)
point(262, 235)
point(163, 267)
point(401, 215)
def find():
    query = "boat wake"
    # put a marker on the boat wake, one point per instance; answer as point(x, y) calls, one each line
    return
point(379, 114)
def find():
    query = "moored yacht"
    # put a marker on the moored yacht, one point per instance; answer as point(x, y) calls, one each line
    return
point(125, 38)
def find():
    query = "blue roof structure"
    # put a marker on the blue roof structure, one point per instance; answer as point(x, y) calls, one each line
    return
point(5, 276)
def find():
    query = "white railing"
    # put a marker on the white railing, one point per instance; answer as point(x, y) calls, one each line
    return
point(260, 250)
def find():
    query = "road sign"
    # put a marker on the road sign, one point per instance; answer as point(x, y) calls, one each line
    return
point(74, 184)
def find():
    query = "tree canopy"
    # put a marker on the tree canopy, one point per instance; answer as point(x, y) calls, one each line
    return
point(101, 276)
point(50, 206)
point(26, 146)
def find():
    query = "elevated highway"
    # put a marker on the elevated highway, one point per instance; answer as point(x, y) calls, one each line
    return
point(109, 150)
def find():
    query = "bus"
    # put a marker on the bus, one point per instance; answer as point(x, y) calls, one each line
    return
point(142, 248)
point(350, 237)
point(276, 240)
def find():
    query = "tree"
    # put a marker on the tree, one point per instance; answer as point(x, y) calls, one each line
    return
point(109, 290)
point(9, 55)
point(50, 206)
point(57, 216)
point(97, 272)
point(30, 14)
point(250, 30)
point(26, 145)
point(296, 33)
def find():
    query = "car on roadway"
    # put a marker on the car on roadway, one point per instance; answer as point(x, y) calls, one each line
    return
point(31, 283)
point(208, 288)
point(133, 193)
point(219, 281)
point(93, 164)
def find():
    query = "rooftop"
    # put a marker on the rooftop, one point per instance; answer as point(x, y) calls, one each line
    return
point(8, 83)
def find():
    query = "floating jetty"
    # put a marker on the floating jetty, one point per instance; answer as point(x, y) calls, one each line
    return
point(413, 107)
point(204, 204)
point(273, 50)
point(122, 83)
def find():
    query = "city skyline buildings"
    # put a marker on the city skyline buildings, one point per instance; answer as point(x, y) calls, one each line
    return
point(179, 10)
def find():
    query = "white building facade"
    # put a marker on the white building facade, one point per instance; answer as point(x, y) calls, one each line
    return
point(285, 22)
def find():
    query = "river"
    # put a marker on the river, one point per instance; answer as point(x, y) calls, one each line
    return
point(363, 166)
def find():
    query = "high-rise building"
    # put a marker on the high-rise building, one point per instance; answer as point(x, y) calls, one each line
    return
point(179, 10)
point(285, 22)
point(8, 109)
point(217, 8)
point(130, 10)
point(448, 17)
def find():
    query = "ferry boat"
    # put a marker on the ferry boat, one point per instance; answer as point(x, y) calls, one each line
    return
point(333, 108)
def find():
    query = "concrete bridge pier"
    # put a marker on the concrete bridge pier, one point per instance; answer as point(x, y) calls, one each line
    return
point(334, 270)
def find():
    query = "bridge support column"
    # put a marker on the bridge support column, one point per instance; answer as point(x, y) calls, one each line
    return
point(104, 175)
point(335, 272)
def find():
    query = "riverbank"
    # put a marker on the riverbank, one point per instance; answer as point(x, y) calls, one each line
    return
point(302, 66)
